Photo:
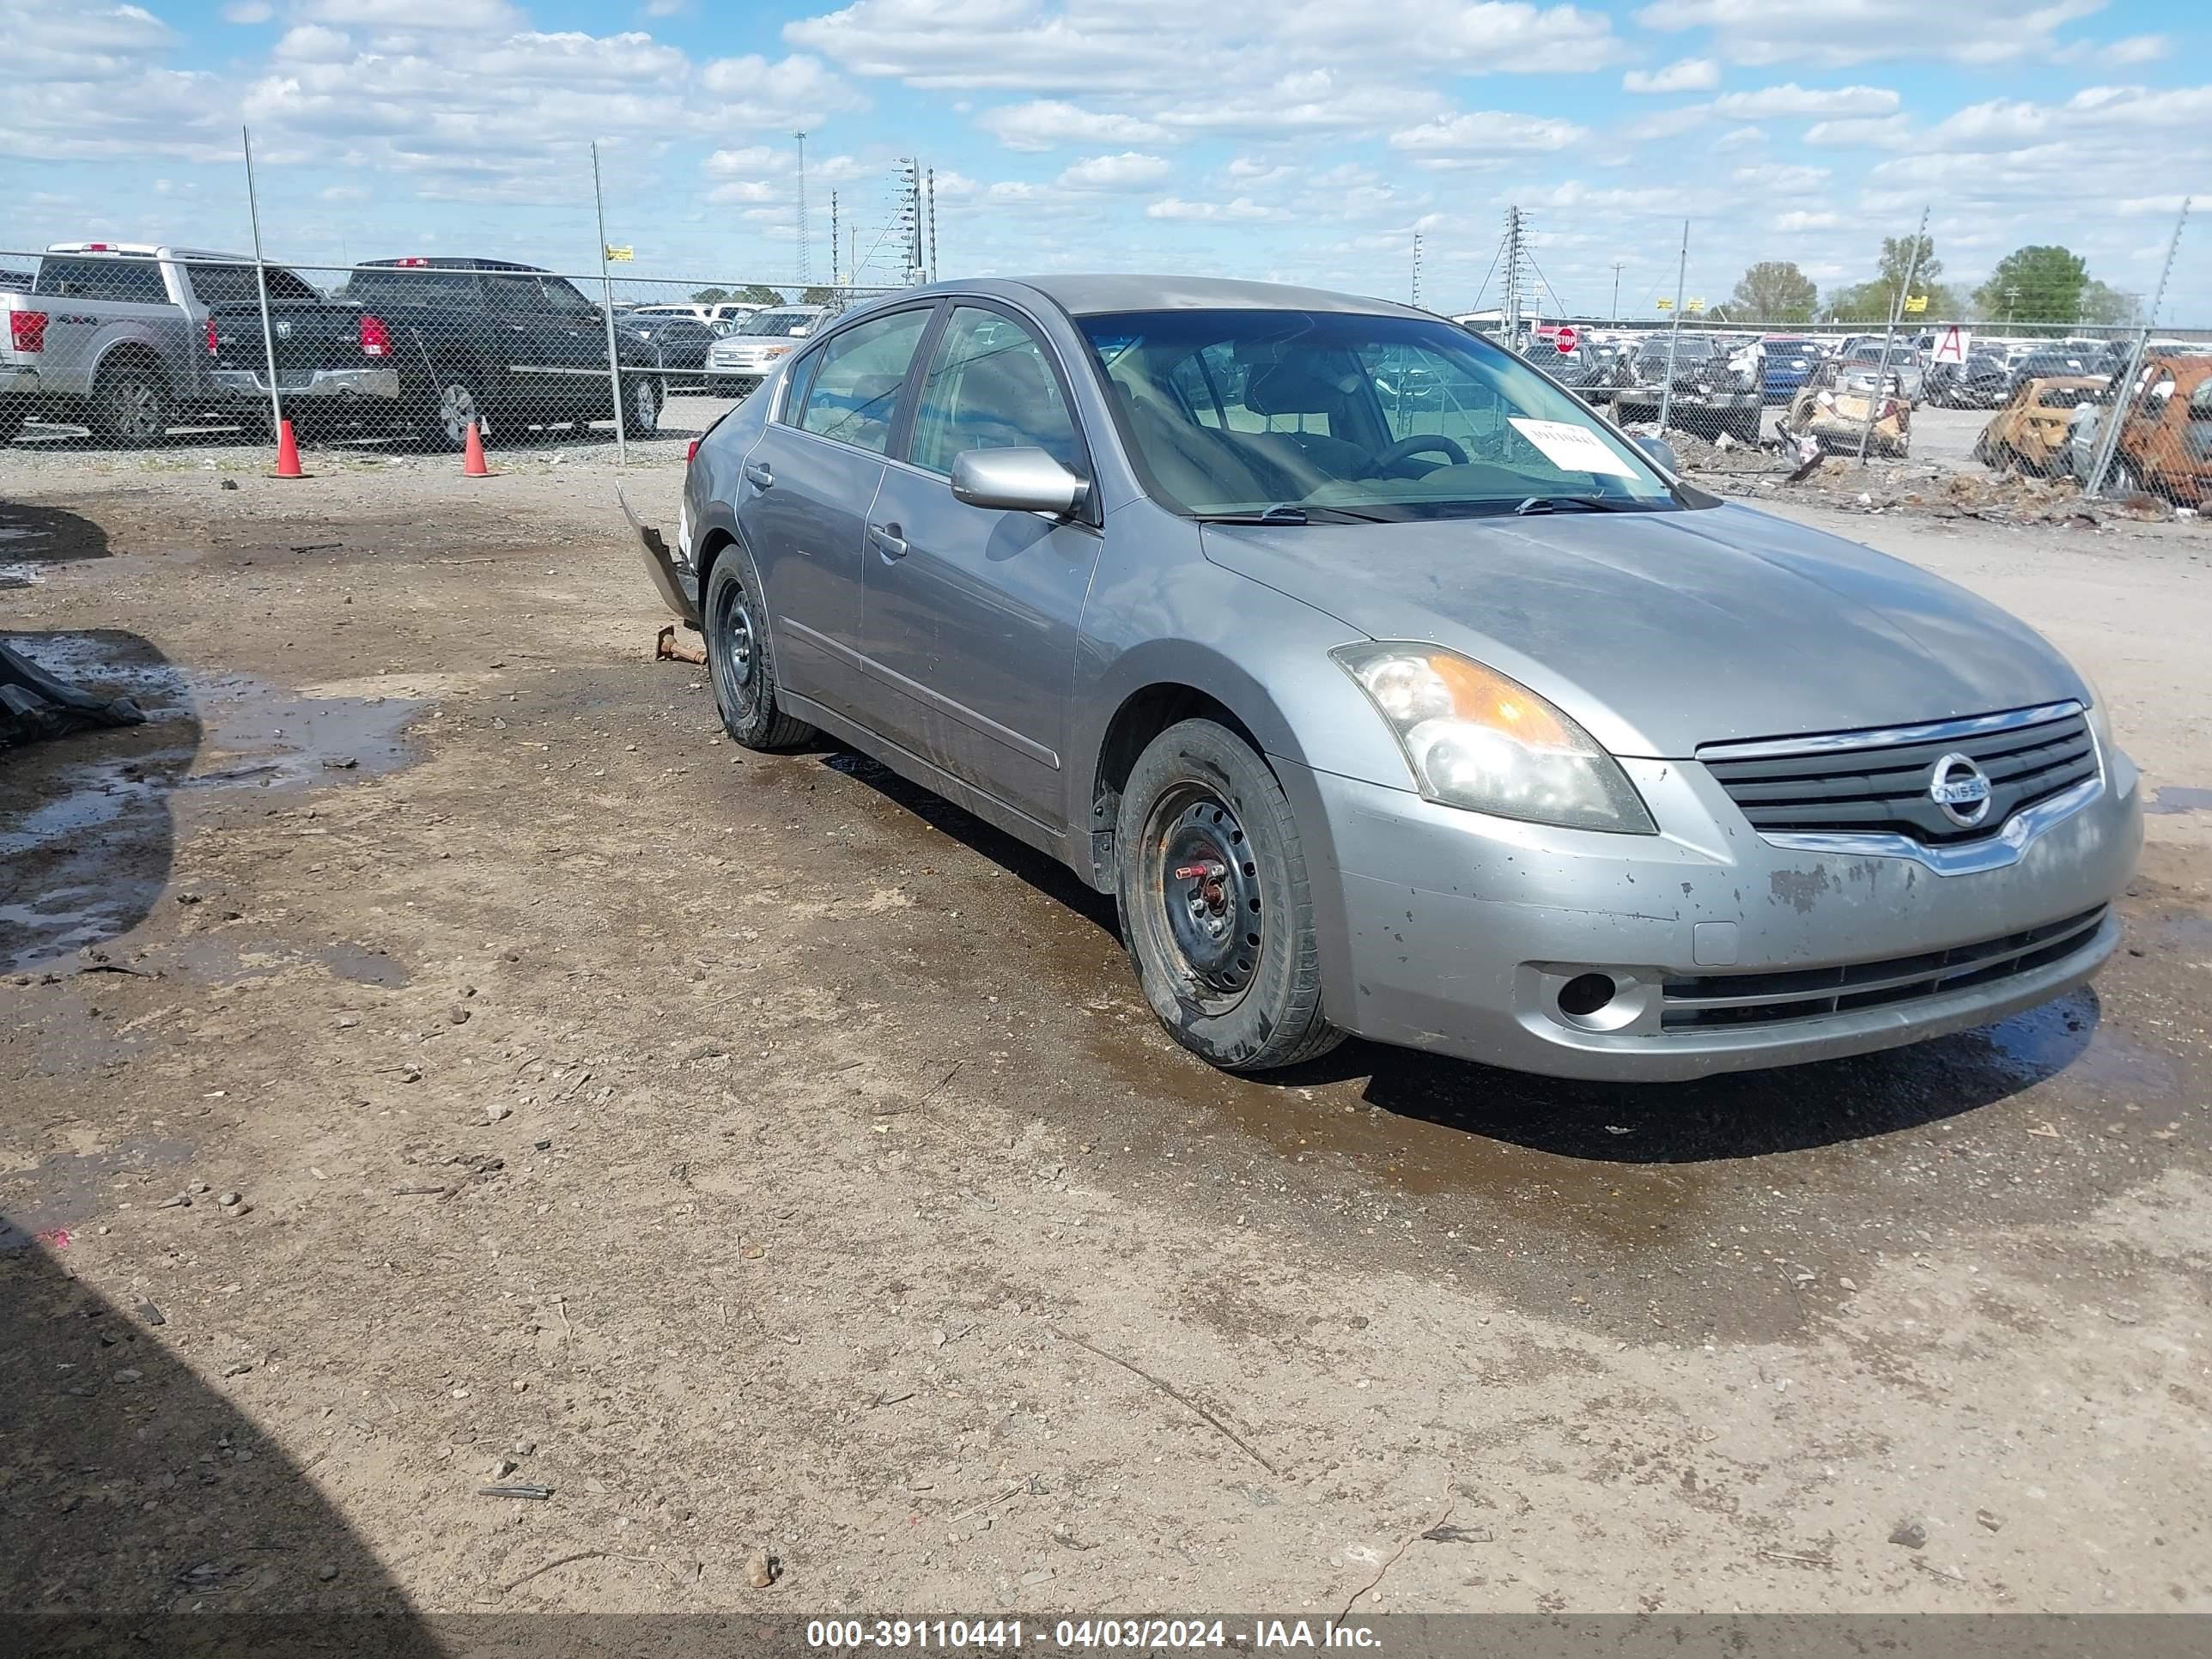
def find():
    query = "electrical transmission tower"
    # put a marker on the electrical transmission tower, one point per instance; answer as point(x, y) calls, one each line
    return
point(1417, 268)
point(1514, 257)
point(909, 219)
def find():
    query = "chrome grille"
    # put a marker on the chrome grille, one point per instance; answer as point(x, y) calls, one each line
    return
point(1764, 998)
point(1877, 782)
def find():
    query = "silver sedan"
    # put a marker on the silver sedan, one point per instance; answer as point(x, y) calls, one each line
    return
point(1454, 720)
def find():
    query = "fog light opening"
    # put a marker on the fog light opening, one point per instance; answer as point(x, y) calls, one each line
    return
point(1585, 994)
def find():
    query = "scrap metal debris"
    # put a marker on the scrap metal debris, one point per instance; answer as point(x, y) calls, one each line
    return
point(33, 704)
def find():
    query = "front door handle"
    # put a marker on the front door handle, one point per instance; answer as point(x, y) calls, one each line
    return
point(888, 541)
point(759, 477)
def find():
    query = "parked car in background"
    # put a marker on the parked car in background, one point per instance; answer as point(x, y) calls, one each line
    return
point(738, 361)
point(1584, 369)
point(1711, 394)
point(1832, 409)
point(1789, 360)
point(1904, 363)
point(682, 343)
point(1978, 383)
point(2032, 431)
point(113, 336)
point(1469, 728)
point(435, 344)
point(2048, 363)
point(709, 311)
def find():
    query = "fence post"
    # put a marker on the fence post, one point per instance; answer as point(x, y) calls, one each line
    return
point(261, 282)
point(607, 310)
point(2124, 387)
point(1889, 335)
point(1675, 333)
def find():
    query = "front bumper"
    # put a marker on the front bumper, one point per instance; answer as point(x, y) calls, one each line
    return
point(336, 385)
point(1457, 932)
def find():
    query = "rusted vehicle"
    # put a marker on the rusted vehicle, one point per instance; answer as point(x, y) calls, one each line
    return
point(1831, 409)
point(2166, 438)
point(2030, 433)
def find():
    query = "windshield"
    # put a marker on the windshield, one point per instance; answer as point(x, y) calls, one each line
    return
point(1339, 415)
point(786, 323)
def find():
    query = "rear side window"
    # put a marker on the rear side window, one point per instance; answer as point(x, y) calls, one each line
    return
point(136, 280)
point(855, 389)
point(414, 285)
point(229, 284)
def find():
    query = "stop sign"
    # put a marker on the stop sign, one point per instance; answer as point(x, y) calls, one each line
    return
point(1565, 338)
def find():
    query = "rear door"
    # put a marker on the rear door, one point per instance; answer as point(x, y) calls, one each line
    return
point(971, 614)
point(803, 496)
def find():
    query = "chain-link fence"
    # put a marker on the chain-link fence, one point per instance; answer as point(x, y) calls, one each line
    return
point(120, 346)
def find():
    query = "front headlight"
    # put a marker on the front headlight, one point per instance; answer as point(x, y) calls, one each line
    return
point(1476, 739)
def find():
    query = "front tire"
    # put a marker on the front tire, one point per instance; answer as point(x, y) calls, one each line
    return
point(1217, 911)
point(741, 659)
point(641, 407)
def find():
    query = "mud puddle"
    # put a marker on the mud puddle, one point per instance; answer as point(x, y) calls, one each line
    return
point(71, 1189)
point(87, 824)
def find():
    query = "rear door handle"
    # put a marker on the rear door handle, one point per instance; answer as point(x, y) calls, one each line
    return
point(888, 541)
point(759, 477)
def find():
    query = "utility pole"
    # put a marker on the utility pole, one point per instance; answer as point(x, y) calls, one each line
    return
point(1889, 336)
point(805, 274)
point(607, 309)
point(1511, 330)
point(2108, 442)
point(836, 280)
point(909, 216)
point(261, 282)
point(1674, 329)
point(1618, 265)
point(1417, 270)
point(933, 224)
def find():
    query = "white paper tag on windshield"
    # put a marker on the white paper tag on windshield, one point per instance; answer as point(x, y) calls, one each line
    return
point(1571, 448)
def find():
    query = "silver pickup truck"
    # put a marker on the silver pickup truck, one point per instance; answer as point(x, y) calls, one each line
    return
point(113, 336)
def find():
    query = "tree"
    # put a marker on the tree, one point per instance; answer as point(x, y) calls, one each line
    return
point(2108, 305)
point(758, 294)
point(819, 296)
point(2038, 284)
point(1775, 291)
point(710, 296)
point(1872, 302)
point(1897, 257)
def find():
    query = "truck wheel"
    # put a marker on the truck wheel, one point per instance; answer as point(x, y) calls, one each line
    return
point(1217, 911)
point(741, 660)
point(130, 406)
point(641, 407)
point(458, 405)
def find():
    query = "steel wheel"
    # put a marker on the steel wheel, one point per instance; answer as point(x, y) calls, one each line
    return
point(1202, 873)
point(737, 683)
point(456, 407)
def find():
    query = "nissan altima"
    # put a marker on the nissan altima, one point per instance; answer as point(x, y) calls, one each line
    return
point(1454, 720)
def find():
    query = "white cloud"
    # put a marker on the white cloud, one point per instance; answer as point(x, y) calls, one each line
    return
point(1840, 32)
point(1128, 171)
point(311, 43)
point(1740, 138)
point(1875, 133)
point(1488, 132)
point(2137, 49)
point(478, 15)
point(1799, 220)
point(1319, 100)
point(1688, 75)
point(247, 11)
point(1791, 98)
point(1243, 210)
point(1781, 176)
point(1048, 123)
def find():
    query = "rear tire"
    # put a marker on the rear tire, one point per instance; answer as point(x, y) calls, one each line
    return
point(1228, 959)
point(741, 658)
point(643, 401)
point(456, 405)
point(130, 406)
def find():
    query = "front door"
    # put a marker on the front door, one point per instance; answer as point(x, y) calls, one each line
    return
point(803, 495)
point(971, 614)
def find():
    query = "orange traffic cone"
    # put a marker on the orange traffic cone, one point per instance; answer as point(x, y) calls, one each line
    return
point(472, 460)
point(288, 452)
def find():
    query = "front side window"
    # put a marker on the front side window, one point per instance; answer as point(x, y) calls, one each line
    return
point(990, 385)
point(789, 325)
point(1235, 413)
point(855, 387)
point(135, 279)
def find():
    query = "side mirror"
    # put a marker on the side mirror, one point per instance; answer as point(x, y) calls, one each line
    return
point(1022, 480)
point(1660, 453)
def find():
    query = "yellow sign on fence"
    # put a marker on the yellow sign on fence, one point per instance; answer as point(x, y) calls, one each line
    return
point(1915, 303)
point(1664, 303)
point(620, 256)
point(1693, 305)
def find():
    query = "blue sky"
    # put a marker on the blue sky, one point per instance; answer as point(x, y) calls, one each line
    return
point(1309, 140)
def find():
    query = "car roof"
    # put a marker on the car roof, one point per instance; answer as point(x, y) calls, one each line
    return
point(1088, 295)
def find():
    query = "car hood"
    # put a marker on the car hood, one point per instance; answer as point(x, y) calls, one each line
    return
point(1662, 631)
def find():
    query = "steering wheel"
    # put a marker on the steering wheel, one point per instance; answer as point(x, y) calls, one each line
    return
point(1413, 444)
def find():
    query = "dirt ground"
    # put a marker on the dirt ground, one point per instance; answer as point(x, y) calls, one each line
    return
point(768, 1159)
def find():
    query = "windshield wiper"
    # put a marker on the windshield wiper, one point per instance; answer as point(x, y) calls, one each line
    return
point(1578, 504)
point(1290, 512)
